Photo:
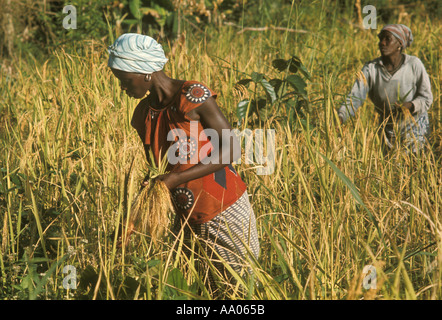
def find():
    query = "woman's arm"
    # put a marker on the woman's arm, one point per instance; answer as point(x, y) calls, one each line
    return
point(357, 96)
point(211, 117)
point(423, 97)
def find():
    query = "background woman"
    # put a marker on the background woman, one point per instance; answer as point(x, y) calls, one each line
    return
point(395, 82)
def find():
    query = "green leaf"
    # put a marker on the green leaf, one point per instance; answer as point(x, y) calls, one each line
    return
point(153, 263)
point(257, 77)
point(38, 260)
point(159, 13)
point(270, 91)
point(297, 83)
point(134, 6)
point(177, 282)
point(268, 88)
point(276, 84)
point(295, 64)
point(130, 21)
point(241, 109)
point(280, 64)
point(281, 278)
point(305, 72)
point(15, 180)
point(89, 277)
point(244, 82)
point(42, 282)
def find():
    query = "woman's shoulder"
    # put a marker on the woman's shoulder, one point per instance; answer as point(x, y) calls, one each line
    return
point(194, 93)
point(370, 68)
point(373, 63)
point(413, 60)
point(415, 65)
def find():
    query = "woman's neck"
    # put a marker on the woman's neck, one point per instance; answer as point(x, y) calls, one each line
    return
point(392, 62)
point(164, 90)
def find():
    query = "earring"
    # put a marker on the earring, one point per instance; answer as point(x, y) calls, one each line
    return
point(148, 77)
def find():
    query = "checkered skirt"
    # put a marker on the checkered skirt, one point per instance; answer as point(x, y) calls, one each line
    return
point(230, 237)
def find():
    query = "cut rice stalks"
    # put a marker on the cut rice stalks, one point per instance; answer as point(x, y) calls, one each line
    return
point(152, 209)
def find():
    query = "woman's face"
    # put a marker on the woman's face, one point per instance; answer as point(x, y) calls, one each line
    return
point(133, 84)
point(388, 43)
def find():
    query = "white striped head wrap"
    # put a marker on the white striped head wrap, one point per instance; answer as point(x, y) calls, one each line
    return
point(136, 53)
point(401, 32)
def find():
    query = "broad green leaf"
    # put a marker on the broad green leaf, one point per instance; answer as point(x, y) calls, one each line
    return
point(177, 279)
point(305, 72)
point(134, 6)
point(276, 83)
point(257, 77)
point(280, 64)
point(269, 89)
point(244, 82)
point(15, 180)
point(153, 263)
point(297, 83)
point(241, 109)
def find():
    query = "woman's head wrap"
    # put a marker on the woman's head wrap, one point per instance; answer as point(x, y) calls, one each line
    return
point(136, 53)
point(401, 32)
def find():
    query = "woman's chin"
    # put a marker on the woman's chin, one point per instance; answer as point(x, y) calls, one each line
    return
point(133, 96)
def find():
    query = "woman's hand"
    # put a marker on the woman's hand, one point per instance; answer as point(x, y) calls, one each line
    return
point(171, 180)
point(407, 105)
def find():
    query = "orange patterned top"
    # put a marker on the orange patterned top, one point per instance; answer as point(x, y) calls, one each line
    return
point(171, 131)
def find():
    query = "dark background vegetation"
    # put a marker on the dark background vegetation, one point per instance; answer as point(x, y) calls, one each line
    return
point(35, 26)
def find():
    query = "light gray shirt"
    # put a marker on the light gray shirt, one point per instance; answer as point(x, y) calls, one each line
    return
point(410, 83)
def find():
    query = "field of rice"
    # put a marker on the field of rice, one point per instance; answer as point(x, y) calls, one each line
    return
point(71, 165)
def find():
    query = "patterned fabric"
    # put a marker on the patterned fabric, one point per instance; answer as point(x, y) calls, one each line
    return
point(170, 131)
point(231, 235)
point(413, 133)
point(197, 93)
point(401, 32)
point(136, 53)
point(183, 198)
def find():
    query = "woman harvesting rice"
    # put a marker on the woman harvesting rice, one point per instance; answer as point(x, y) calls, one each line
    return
point(399, 87)
point(209, 196)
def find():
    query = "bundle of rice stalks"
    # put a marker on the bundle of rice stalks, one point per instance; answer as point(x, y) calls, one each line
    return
point(152, 210)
